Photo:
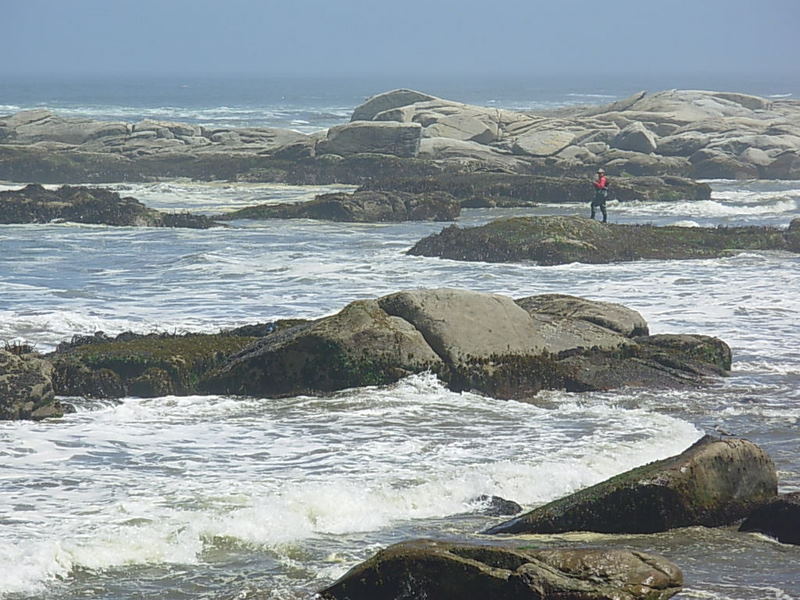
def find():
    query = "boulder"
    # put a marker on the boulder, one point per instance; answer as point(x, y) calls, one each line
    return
point(610, 315)
point(682, 144)
point(471, 340)
point(456, 571)
point(715, 482)
point(26, 388)
point(495, 506)
point(779, 519)
point(785, 166)
point(553, 240)
point(543, 142)
point(635, 138)
point(359, 207)
point(381, 137)
point(360, 345)
point(463, 127)
point(386, 101)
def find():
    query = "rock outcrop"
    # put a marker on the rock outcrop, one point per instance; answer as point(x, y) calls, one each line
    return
point(677, 132)
point(779, 519)
point(360, 207)
point(26, 388)
point(714, 482)
point(35, 204)
point(453, 571)
point(471, 340)
point(554, 240)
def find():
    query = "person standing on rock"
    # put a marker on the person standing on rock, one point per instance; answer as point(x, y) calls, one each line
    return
point(600, 194)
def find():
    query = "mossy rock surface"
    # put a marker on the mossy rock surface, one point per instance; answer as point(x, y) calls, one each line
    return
point(554, 240)
point(457, 571)
point(715, 482)
point(146, 365)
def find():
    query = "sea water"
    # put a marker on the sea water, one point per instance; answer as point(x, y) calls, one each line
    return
point(225, 497)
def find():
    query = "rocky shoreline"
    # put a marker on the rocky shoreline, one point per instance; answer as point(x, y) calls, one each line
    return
point(691, 134)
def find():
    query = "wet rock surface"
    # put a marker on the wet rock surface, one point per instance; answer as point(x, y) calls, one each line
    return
point(554, 240)
point(445, 571)
point(360, 207)
point(26, 388)
point(715, 482)
point(35, 204)
point(779, 519)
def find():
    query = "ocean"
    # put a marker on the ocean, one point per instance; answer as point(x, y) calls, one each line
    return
point(256, 498)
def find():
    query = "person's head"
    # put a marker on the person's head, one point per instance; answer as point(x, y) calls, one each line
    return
point(600, 172)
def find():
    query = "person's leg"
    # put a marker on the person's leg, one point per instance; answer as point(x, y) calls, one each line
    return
point(603, 210)
point(594, 206)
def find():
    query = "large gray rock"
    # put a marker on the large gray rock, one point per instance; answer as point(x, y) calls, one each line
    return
point(454, 571)
point(386, 101)
point(636, 138)
point(714, 482)
point(379, 137)
point(26, 388)
point(545, 142)
point(470, 340)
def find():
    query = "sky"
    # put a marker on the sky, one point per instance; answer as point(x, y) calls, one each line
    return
point(370, 37)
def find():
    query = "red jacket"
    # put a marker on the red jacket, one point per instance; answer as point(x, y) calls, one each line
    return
point(601, 183)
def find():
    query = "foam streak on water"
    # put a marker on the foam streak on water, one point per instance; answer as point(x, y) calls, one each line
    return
point(210, 496)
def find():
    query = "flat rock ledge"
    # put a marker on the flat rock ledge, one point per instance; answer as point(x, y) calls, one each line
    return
point(453, 571)
point(555, 240)
point(490, 343)
point(359, 207)
point(717, 481)
point(779, 519)
point(35, 204)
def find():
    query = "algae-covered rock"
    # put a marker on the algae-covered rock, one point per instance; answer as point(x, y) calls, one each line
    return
point(457, 571)
point(35, 204)
point(26, 388)
point(472, 341)
point(360, 345)
point(553, 240)
point(359, 207)
point(715, 482)
point(779, 519)
point(140, 365)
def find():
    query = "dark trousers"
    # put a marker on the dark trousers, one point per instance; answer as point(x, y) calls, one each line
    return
point(600, 198)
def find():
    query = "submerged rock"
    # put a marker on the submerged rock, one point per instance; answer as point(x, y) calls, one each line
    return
point(554, 240)
point(779, 519)
point(359, 207)
point(35, 204)
point(26, 388)
point(453, 571)
point(715, 482)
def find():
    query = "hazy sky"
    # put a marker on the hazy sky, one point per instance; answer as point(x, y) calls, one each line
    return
point(365, 37)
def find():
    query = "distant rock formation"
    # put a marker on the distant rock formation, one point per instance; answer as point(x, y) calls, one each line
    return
point(697, 134)
point(359, 207)
point(35, 204)
point(554, 240)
